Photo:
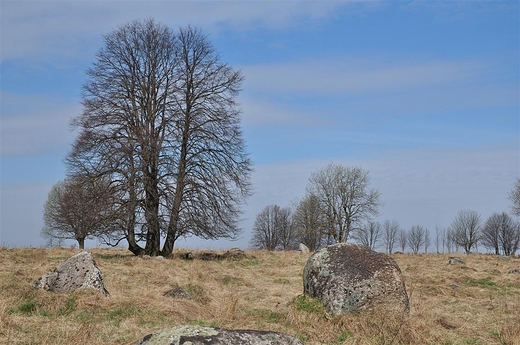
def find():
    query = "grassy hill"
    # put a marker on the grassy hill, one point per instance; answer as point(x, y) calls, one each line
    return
point(475, 303)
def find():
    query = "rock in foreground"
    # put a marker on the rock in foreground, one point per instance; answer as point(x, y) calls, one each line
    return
point(78, 272)
point(197, 335)
point(349, 278)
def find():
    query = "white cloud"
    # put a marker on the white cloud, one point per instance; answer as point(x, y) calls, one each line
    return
point(345, 75)
point(49, 29)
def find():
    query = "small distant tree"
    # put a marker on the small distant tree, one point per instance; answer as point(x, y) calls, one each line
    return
point(427, 240)
point(78, 208)
point(345, 198)
point(286, 234)
point(501, 234)
point(369, 235)
point(465, 230)
point(440, 239)
point(309, 222)
point(271, 229)
point(403, 239)
point(416, 238)
point(514, 196)
point(390, 232)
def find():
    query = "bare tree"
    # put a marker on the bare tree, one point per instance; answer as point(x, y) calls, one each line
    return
point(514, 196)
point(416, 238)
point(465, 230)
point(403, 239)
point(345, 198)
point(77, 208)
point(390, 232)
point(161, 123)
point(286, 231)
point(427, 240)
point(440, 239)
point(271, 225)
point(501, 234)
point(369, 235)
point(309, 222)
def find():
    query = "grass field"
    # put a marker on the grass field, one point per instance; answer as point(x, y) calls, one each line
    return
point(475, 303)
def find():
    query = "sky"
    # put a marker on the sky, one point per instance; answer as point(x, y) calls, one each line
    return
point(422, 94)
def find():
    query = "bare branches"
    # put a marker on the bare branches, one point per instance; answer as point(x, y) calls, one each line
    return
point(161, 124)
point(344, 198)
point(465, 230)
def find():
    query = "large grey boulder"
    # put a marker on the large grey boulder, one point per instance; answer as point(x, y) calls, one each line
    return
point(197, 335)
point(78, 272)
point(349, 278)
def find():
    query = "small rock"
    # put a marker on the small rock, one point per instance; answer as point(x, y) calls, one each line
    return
point(234, 254)
point(197, 335)
point(514, 271)
point(455, 261)
point(189, 256)
point(178, 292)
point(504, 258)
point(160, 258)
point(304, 249)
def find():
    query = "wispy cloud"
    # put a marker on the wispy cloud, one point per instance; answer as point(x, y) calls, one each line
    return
point(35, 124)
point(50, 29)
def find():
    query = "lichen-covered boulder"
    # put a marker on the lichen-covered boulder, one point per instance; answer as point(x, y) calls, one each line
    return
point(197, 335)
point(78, 272)
point(349, 278)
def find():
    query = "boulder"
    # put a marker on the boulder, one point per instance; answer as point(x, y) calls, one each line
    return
point(78, 272)
point(197, 335)
point(304, 249)
point(349, 278)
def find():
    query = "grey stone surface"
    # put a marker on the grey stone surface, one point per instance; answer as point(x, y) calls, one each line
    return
point(197, 335)
point(178, 292)
point(304, 249)
point(514, 271)
point(349, 278)
point(455, 261)
point(78, 272)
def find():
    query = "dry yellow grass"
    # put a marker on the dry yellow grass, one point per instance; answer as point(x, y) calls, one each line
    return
point(476, 303)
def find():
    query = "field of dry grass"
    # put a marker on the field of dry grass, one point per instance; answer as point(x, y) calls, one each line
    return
point(476, 303)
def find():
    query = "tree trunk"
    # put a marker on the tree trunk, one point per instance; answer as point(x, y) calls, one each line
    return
point(81, 242)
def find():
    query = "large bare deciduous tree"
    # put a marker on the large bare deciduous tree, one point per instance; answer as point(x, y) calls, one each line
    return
point(345, 198)
point(78, 208)
point(501, 234)
point(160, 122)
point(465, 230)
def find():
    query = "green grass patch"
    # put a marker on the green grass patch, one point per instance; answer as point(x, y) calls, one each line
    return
point(70, 306)
point(308, 304)
point(116, 316)
point(28, 307)
point(344, 336)
point(486, 282)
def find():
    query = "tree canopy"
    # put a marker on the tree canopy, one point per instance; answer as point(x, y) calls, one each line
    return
point(160, 122)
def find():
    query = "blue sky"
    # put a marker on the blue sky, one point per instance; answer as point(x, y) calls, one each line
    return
point(423, 94)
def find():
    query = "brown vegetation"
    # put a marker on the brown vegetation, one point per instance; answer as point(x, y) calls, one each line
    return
point(475, 303)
